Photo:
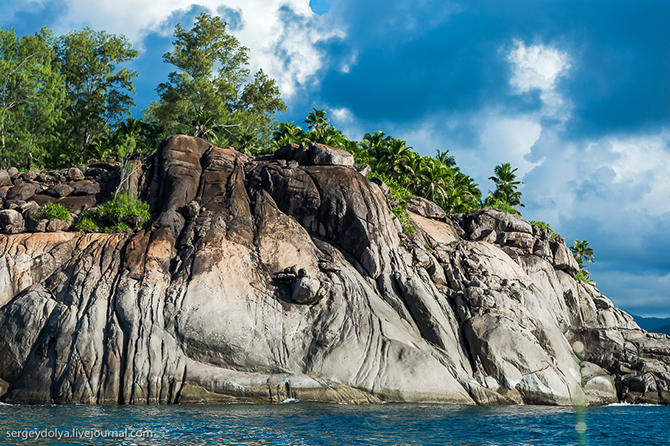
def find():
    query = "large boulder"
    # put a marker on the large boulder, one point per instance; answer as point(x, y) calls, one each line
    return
point(23, 191)
point(11, 222)
point(59, 190)
point(306, 290)
point(482, 221)
point(322, 155)
point(315, 155)
point(85, 187)
point(5, 179)
point(563, 258)
point(425, 208)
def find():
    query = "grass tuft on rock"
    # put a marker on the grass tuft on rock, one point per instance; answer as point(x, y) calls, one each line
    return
point(123, 214)
point(54, 211)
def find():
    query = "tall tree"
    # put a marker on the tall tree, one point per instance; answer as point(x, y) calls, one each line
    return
point(580, 249)
point(507, 186)
point(211, 81)
point(582, 253)
point(31, 96)
point(98, 94)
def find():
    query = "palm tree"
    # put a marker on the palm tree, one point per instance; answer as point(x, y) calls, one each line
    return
point(100, 149)
point(287, 133)
point(130, 127)
point(467, 192)
point(329, 136)
point(504, 176)
point(506, 186)
point(445, 158)
point(369, 149)
point(394, 157)
point(435, 180)
point(582, 252)
point(246, 143)
point(316, 120)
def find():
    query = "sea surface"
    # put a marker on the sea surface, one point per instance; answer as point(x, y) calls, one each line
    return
point(295, 423)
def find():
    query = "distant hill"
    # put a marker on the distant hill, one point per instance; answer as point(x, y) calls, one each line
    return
point(655, 324)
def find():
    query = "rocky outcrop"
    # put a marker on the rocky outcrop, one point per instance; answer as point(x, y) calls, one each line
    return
point(287, 276)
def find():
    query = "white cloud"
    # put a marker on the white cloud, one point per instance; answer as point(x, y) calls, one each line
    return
point(342, 115)
point(643, 163)
point(619, 183)
point(282, 35)
point(539, 67)
point(510, 139)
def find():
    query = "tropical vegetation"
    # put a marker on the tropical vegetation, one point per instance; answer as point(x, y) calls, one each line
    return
point(544, 225)
point(67, 100)
point(123, 213)
point(53, 211)
point(583, 254)
point(405, 171)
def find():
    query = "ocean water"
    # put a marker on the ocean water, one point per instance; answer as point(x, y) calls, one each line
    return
point(332, 424)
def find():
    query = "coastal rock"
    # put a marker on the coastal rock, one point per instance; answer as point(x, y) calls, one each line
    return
point(322, 155)
point(305, 290)
point(11, 222)
point(279, 277)
point(22, 191)
point(59, 190)
point(425, 208)
point(74, 174)
point(483, 220)
point(563, 258)
point(85, 187)
point(5, 178)
point(315, 155)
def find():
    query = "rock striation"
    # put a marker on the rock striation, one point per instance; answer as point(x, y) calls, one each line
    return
point(287, 276)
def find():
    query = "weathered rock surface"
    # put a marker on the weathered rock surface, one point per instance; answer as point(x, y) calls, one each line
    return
point(282, 277)
point(425, 208)
point(315, 155)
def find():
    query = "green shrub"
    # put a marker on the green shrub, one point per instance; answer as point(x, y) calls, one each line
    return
point(53, 211)
point(398, 202)
point(502, 206)
point(123, 214)
point(545, 225)
point(583, 275)
point(88, 223)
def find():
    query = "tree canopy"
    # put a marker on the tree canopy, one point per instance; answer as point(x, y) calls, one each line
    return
point(583, 254)
point(31, 98)
point(435, 178)
point(98, 95)
point(507, 195)
point(210, 95)
point(67, 100)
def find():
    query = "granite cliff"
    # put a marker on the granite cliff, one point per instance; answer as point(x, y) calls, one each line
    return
point(287, 276)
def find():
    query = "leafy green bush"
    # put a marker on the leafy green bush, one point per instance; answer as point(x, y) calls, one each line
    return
point(397, 201)
point(545, 225)
point(501, 206)
point(88, 223)
point(583, 275)
point(123, 214)
point(53, 211)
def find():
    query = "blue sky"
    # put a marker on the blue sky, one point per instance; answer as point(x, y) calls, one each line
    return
point(576, 94)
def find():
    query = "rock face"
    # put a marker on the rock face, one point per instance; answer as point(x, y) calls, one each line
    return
point(282, 277)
